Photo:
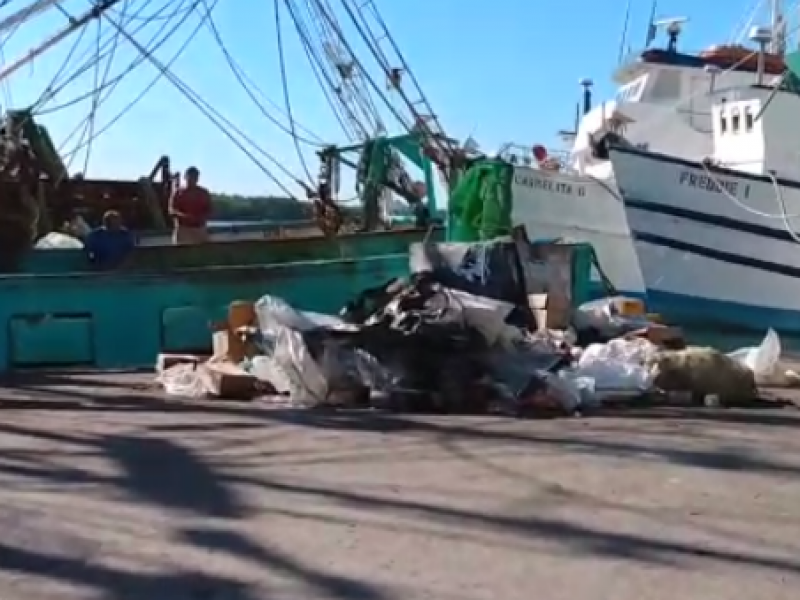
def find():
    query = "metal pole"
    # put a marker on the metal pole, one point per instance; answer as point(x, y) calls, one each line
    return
point(74, 25)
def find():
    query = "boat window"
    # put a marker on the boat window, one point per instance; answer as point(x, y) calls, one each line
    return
point(632, 91)
point(666, 85)
point(748, 119)
point(723, 124)
point(735, 122)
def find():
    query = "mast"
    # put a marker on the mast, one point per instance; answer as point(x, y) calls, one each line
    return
point(778, 26)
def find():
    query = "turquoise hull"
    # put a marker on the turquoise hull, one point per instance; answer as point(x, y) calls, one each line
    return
point(59, 313)
point(110, 320)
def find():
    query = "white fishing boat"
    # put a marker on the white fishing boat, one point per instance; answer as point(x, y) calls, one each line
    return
point(663, 104)
point(717, 239)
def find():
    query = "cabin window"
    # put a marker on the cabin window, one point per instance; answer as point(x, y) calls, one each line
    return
point(735, 122)
point(665, 86)
point(632, 91)
point(748, 119)
point(723, 124)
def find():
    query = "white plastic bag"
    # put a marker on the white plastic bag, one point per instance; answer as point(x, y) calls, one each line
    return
point(307, 383)
point(264, 368)
point(182, 380)
point(565, 389)
point(273, 313)
point(484, 314)
point(762, 359)
point(58, 241)
point(602, 315)
point(618, 365)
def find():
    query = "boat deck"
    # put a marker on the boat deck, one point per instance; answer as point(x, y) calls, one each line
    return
point(107, 490)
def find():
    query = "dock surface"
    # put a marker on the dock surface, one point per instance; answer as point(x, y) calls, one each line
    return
point(108, 492)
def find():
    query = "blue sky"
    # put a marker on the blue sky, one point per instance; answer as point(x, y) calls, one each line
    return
point(500, 71)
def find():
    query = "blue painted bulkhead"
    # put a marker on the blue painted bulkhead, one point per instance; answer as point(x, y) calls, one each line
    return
point(122, 320)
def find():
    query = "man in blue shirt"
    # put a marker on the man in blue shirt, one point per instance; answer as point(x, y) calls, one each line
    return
point(109, 245)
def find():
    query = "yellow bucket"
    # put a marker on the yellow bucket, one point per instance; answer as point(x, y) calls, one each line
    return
point(630, 307)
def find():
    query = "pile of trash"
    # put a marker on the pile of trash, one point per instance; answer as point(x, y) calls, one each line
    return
point(464, 336)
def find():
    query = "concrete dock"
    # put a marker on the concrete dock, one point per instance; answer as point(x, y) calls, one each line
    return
point(106, 491)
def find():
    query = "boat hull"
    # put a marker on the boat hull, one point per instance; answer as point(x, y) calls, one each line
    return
point(562, 205)
point(712, 244)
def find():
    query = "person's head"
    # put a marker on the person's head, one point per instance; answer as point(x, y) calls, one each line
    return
point(192, 176)
point(112, 219)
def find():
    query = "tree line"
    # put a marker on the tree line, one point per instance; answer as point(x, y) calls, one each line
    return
point(234, 207)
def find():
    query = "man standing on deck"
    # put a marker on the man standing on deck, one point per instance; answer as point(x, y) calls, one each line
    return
point(190, 208)
point(109, 245)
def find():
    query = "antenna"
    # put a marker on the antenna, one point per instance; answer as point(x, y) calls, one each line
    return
point(624, 37)
point(651, 26)
point(672, 25)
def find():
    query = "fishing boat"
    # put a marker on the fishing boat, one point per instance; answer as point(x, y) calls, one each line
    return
point(57, 309)
point(663, 104)
point(717, 238)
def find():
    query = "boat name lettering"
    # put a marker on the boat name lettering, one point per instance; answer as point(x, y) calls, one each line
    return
point(710, 183)
point(559, 187)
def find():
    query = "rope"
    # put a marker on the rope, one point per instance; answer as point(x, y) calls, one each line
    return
point(285, 87)
point(246, 85)
point(211, 114)
point(779, 199)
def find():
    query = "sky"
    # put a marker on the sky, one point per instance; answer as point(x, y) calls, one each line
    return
point(500, 71)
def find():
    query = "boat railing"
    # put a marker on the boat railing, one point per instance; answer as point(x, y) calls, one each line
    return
point(526, 156)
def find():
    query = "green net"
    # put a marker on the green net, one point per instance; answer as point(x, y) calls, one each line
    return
point(481, 203)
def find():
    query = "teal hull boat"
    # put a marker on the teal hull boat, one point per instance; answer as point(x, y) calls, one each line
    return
point(59, 312)
point(123, 320)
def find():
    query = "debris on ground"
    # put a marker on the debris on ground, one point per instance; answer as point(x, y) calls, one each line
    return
point(464, 334)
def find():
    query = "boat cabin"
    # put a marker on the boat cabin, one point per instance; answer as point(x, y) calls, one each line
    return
point(665, 99)
point(747, 140)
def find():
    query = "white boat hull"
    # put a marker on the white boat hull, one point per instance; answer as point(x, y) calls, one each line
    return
point(713, 246)
point(564, 205)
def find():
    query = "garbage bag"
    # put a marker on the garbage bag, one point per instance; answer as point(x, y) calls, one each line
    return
point(491, 269)
point(620, 364)
point(763, 359)
point(273, 313)
point(306, 381)
point(182, 380)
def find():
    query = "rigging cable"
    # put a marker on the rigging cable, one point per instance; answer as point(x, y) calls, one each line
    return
point(136, 99)
point(410, 105)
point(360, 66)
point(131, 67)
point(365, 96)
point(240, 77)
point(213, 115)
point(343, 65)
point(102, 93)
point(67, 58)
point(87, 126)
point(349, 123)
point(404, 64)
point(107, 87)
point(285, 87)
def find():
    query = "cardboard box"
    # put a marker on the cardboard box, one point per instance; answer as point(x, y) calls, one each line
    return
point(228, 345)
point(661, 335)
point(228, 381)
point(165, 360)
point(552, 311)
